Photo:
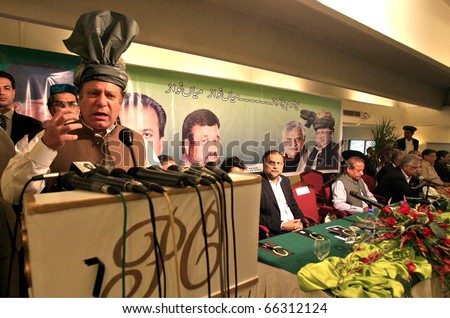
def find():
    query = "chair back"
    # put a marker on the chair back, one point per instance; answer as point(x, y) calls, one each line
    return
point(314, 178)
point(370, 181)
point(306, 201)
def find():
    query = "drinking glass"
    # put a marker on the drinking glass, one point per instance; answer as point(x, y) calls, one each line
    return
point(322, 248)
point(353, 235)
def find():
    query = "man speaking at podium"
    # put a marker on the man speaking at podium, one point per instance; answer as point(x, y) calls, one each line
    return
point(101, 79)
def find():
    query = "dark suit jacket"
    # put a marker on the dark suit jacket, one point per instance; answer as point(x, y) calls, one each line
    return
point(384, 171)
point(269, 212)
point(22, 125)
point(401, 144)
point(394, 185)
point(442, 171)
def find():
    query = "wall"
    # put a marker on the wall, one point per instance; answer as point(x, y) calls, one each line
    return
point(432, 125)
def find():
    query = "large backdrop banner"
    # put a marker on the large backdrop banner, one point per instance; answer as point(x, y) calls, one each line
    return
point(197, 118)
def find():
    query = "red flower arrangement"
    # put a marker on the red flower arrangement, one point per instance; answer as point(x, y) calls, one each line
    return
point(421, 231)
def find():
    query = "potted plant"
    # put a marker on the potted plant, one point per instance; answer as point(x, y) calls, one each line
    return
point(383, 138)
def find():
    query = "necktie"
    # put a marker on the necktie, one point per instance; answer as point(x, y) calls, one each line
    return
point(3, 121)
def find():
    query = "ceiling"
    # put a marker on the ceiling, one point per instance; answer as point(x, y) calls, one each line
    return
point(301, 38)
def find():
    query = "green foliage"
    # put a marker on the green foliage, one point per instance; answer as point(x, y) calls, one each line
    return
point(383, 138)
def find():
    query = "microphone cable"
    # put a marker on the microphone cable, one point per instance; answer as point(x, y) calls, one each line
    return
point(175, 250)
point(205, 239)
point(219, 203)
point(233, 230)
point(158, 256)
point(124, 238)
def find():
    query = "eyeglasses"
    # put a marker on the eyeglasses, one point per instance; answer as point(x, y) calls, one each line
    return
point(63, 104)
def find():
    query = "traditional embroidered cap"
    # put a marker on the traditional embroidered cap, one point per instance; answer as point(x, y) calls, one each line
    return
point(410, 128)
point(323, 119)
point(63, 88)
point(100, 38)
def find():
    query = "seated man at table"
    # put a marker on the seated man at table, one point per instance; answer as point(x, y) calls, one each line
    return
point(351, 180)
point(428, 172)
point(402, 181)
point(278, 210)
point(396, 157)
point(441, 165)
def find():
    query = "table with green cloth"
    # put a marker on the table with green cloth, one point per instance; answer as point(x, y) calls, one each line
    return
point(278, 275)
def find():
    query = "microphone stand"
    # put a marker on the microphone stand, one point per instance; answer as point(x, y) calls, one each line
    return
point(428, 189)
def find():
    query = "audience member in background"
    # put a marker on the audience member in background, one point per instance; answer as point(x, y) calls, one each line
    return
point(441, 165)
point(416, 152)
point(351, 180)
point(427, 170)
point(95, 137)
point(396, 157)
point(15, 124)
point(61, 96)
point(408, 143)
point(279, 211)
point(200, 135)
point(293, 137)
point(166, 161)
point(399, 182)
point(233, 164)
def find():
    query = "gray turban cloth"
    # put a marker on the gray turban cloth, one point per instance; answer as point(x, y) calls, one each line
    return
point(323, 120)
point(100, 38)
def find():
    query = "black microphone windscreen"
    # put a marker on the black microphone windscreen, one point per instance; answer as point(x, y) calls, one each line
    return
point(120, 173)
point(126, 136)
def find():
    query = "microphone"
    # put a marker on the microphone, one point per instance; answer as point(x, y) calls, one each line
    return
point(368, 201)
point(167, 179)
point(120, 173)
point(203, 178)
point(71, 180)
point(200, 167)
point(127, 185)
point(429, 181)
point(225, 177)
point(420, 185)
point(126, 137)
point(191, 179)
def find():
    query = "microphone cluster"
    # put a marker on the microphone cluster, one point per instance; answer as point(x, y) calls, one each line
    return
point(136, 179)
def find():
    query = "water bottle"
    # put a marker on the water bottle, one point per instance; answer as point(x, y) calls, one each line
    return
point(370, 222)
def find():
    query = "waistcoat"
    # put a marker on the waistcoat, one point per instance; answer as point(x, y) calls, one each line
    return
point(352, 185)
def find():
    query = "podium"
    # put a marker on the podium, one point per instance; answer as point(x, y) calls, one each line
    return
point(74, 242)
